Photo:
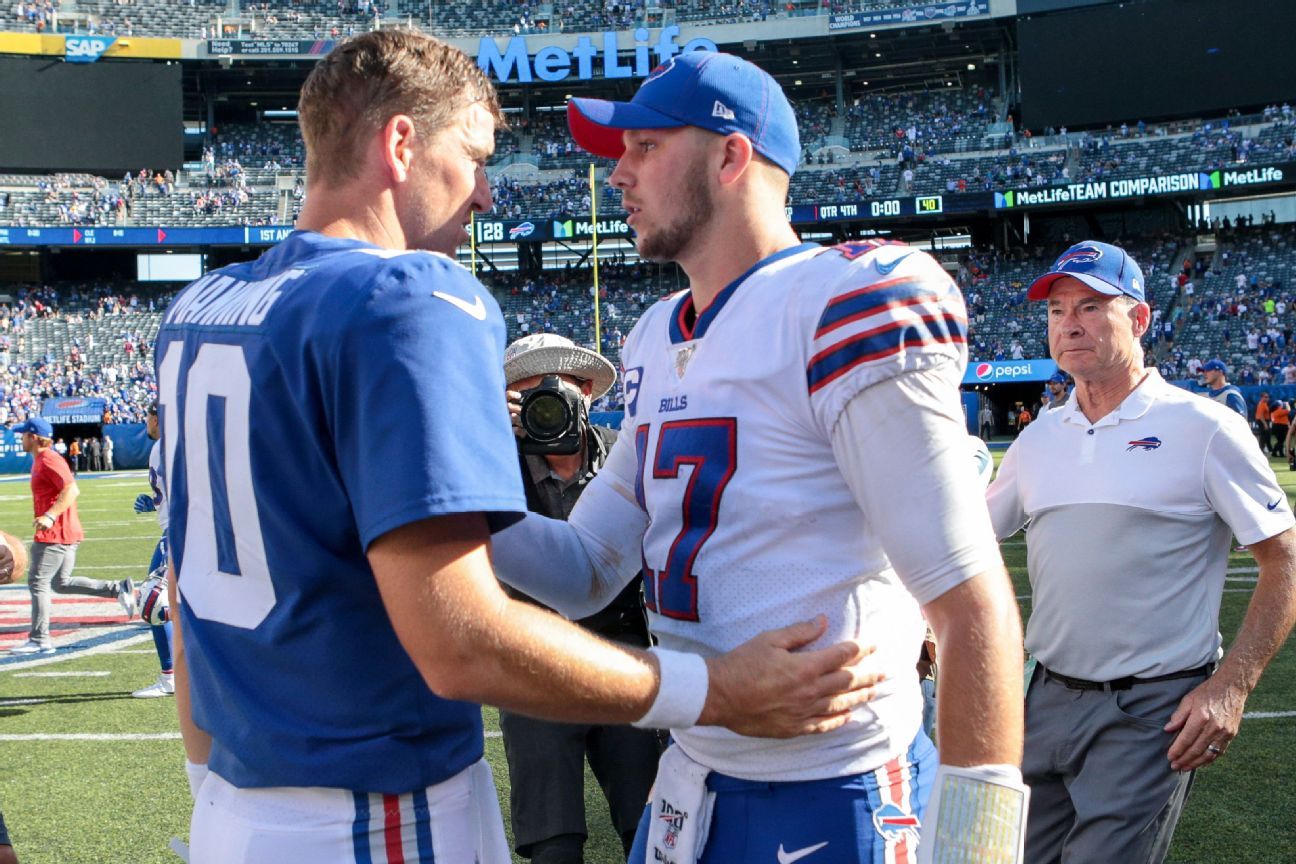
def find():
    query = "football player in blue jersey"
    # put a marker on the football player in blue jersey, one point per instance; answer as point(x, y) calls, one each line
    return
point(337, 618)
point(153, 604)
point(793, 442)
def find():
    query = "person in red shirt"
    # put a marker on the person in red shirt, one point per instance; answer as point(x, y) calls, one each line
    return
point(58, 531)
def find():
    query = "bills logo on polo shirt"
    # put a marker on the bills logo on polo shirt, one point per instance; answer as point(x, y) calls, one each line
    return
point(1149, 443)
point(1083, 255)
point(895, 823)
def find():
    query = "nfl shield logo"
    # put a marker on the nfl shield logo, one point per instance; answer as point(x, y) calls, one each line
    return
point(682, 358)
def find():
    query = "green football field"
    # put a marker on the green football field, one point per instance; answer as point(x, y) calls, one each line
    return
point(89, 775)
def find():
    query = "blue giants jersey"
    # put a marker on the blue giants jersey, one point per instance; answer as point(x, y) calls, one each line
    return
point(312, 401)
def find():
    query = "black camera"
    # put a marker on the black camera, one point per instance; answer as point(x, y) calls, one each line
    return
point(552, 416)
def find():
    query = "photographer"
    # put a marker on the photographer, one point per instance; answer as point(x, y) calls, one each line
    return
point(553, 382)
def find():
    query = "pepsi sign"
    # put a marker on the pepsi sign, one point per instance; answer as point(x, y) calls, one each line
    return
point(1005, 371)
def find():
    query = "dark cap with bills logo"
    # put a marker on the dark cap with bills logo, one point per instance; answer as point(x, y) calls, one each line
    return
point(717, 92)
point(1105, 268)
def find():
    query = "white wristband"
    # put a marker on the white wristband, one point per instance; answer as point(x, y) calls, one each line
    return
point(197, 772)
point(976, 813)
point(681, 691)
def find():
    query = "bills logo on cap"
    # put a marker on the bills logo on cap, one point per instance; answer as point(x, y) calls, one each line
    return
point(895, 824)
point(660, 70)
point(984, 371)
point(1082, 255)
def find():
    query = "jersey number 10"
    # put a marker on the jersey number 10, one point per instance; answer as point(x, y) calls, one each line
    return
point(223, 564)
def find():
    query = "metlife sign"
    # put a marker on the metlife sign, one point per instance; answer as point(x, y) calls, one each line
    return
point(1140, 187)
point(513, 63)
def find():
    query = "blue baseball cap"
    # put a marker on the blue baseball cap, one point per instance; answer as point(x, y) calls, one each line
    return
point(717, 92)
point(1216, 365)
point(1057, 378)
point(37, 426)
point(1105, 268)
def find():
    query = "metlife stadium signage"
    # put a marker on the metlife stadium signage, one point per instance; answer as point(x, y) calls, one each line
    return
point(1141, 187)
point(909, 15)
point(513, 64)
point(1009, 371)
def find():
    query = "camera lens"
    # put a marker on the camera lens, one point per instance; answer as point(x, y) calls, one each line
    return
point(546, 416)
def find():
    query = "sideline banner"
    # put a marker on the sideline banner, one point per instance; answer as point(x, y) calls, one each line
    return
point(1008, 371)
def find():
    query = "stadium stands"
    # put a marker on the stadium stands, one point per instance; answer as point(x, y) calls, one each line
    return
point(1240, 305)
point(321, 19)
point(79, 339)
point(238, 178)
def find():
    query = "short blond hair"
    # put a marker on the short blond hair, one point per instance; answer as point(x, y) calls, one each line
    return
point(368, 79)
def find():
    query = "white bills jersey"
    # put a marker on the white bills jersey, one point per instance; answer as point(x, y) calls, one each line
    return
point(726, 445)
point(157, 484)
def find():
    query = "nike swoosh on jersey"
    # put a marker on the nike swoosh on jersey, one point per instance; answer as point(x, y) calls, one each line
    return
point(789, 857)
point(477, 311)
point(885, 269)
point(1274, 505)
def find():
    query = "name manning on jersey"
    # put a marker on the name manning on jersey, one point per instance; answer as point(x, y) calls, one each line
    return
point(216, 299)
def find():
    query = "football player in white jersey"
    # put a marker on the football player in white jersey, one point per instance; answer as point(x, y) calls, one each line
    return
point(793, 444)
point(153, 602)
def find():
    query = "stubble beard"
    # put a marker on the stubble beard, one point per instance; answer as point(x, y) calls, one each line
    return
point(670, 242)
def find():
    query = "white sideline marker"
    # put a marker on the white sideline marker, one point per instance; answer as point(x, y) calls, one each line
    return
point(106, 736)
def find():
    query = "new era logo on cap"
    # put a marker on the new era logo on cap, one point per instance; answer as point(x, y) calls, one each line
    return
point(717, 92)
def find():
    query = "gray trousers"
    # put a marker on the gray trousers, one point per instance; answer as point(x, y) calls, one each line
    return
point(1101, 785)
point(51, 568)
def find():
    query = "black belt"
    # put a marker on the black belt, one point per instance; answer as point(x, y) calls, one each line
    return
point(1128, 681)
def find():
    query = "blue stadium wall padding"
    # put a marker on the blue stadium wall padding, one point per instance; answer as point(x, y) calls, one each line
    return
point(971, 409)
point(131, 445)
point(1250, 392)
point(12, 458)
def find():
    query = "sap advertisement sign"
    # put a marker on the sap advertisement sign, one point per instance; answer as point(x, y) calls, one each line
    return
point(86, 49)
point(554, 63)
point(1008, 371)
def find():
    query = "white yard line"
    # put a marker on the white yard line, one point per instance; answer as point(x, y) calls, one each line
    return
point(106, 736)
point(97, 674)
point(66, 653)
point(94, 736)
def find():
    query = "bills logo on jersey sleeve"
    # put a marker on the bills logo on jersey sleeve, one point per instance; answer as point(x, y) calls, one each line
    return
point(914, 307)
point(631, 379)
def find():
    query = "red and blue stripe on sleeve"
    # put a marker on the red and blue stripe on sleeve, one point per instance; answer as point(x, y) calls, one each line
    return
point(883, 319)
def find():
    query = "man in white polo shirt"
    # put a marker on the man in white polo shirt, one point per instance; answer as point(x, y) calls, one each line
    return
point(1131, 491)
